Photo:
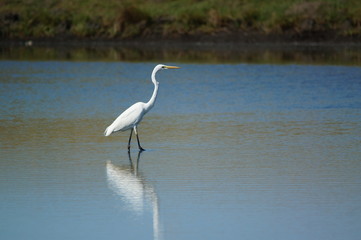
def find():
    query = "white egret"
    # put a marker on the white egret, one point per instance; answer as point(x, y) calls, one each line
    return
point(131, 117)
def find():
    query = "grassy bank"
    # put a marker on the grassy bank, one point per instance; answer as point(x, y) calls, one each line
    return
point(115, 19)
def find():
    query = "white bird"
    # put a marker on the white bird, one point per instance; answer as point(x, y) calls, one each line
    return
point(131, 117)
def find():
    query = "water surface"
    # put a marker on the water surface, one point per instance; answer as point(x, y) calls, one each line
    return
point(194, 52)
point(234, 151)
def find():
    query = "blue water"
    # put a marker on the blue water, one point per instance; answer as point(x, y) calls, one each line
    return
point(97, 88)
point(234, 151)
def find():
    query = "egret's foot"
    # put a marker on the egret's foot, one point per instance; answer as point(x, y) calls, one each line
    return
point(141, 149)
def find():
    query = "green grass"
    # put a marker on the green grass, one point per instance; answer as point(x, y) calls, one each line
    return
point(117, 19)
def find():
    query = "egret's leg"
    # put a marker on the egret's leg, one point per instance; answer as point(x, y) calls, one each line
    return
point(130, 138)
point(136, 134)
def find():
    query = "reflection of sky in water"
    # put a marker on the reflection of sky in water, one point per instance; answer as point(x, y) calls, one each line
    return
point(87, 90)
point(257, 151)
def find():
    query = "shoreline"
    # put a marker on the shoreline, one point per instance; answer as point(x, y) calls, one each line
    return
point(180, 22)
point(334, 53)
point(235, 38)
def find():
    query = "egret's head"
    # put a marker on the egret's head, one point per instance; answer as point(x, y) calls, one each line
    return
point(162, 67)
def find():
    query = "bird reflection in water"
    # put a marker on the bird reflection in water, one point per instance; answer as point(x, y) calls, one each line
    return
point(133, 190)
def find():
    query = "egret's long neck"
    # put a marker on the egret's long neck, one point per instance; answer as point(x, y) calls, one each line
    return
point(151, 101)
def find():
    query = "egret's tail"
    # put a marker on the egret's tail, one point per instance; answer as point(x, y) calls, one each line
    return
point(108, 131)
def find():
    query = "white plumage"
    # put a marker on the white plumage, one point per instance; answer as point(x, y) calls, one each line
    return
point(131, 117)
point(128, 119)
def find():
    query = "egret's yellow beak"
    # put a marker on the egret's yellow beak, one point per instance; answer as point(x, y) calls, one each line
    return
point(172, 67)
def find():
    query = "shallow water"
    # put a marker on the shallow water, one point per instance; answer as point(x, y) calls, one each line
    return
point(234, 151)
point(196, 52)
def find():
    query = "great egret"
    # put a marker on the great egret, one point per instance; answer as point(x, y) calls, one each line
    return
point(131, 117)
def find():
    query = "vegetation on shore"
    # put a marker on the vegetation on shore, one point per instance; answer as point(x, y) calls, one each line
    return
point(172, 19)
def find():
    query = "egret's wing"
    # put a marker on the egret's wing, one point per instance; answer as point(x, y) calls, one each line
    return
point(129, 117)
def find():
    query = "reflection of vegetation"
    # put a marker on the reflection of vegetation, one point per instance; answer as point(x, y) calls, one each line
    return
point(212, 53)
point(139, 18)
